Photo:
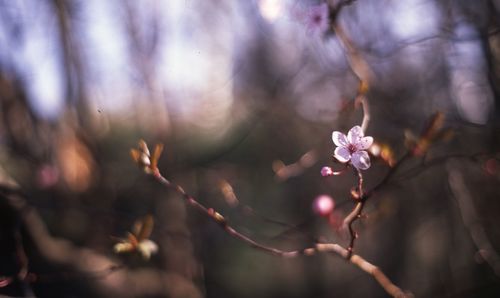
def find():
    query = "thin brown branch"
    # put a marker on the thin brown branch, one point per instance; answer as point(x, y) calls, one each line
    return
point(284, 172)
point(74, 71)
point(348, 222)
point(332, 248)
point(389, 175)
point(366, 111)
point(361, 196)
point(337, 7)
point(471, 219)
point(421, 167)
point(355, 213)
point(234, 202)
point(358, 64)
point(428, 164)
point(21, 256)
point(109, 277)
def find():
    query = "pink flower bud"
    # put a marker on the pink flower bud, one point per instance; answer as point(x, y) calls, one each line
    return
point(326, 171)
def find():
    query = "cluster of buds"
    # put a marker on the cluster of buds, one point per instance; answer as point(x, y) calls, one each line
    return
point(138, 239)
point(143, 158)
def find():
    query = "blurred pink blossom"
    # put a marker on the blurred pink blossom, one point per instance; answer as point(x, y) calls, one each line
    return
point(47, 176)
point(323, 205)
point(316, 19)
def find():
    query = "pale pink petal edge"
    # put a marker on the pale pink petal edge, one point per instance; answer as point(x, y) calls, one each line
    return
point(355, 134)
point(361, 160)
point(342, 154)
point(339, 139)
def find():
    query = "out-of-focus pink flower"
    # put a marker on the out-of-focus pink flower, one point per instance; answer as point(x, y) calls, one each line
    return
point(491, 166)
point(323, 205)
point(317, 19)
point(352, 147)
point(47, 176)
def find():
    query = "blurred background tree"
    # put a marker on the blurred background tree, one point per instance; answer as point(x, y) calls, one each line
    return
point(236, 90)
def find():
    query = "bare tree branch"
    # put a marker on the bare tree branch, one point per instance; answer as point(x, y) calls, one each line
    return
point(110, 277)
point(471, 219)
point(333, 248)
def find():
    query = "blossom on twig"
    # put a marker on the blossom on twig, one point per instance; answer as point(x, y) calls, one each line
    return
point(142, 157)
point(351, 148)
point(326, 171)
point(138, 240)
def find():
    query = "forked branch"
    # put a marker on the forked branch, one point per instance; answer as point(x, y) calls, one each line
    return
point(331, 248)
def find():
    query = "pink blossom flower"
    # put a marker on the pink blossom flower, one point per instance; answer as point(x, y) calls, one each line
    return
point(317, 19)
point(352, 147)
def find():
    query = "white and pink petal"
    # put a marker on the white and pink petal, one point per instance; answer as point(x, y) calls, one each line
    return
point(355, 134)
point(360, 160)
point(364, 143)
point(147, 248)
point(342, 154)
point(339, 139)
